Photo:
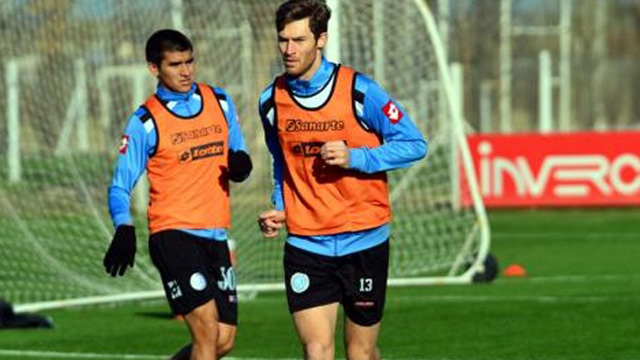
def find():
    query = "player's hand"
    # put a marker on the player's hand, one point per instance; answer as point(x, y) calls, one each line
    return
point(335, 153)
point(240, 165)
point(270, 222)
point(122, 251)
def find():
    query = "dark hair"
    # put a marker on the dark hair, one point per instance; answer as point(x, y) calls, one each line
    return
point(317, 11)
point(165, 40)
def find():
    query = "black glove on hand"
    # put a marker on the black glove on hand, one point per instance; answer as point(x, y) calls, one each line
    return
point(240, 165)
point(122, 250)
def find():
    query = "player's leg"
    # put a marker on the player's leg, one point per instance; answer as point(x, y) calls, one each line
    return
point(316, 331)
point(184, 261)
point(313, 295)
point(226, 339)
point(224, 344)
point(203, 326)
point(182, 354)
point(365, 276)
point(222, 279)
point(225, 295)
point(360, 341)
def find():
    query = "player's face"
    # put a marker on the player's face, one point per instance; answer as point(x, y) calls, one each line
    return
point(176, 71)
point(301, 52)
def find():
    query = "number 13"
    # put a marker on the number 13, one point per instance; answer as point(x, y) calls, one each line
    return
point(366, 284)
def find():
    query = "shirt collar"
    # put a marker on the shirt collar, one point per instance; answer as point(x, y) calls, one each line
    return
point(317, 81)
point(168, 95)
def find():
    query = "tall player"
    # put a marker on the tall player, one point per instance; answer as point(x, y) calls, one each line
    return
point(333, 133)
point(187, 137)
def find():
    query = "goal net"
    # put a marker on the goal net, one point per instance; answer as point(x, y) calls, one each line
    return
point(73, 73)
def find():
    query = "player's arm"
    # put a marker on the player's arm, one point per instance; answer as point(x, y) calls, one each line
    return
point(403, 144)
point(138, 142)
point(271, 221)
point(239, 161)
point(133, 155)
point(267, 115)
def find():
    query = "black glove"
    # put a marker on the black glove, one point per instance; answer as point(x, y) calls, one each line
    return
point(240, 165)
point(122, 250)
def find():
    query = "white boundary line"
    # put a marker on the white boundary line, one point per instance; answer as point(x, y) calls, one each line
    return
point(83, 355)
point(68, 355)
point(582, 278)
point(528, 235)
point(157, 294)
point(80, 355)
point(495, 299)
point(76, 355)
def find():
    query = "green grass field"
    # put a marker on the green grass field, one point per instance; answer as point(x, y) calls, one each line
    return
point(580, 300)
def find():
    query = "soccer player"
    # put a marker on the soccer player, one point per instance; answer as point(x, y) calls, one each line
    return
point(332, 133)
point(187, 137)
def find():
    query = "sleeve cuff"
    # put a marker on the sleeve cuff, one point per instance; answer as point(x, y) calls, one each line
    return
point(277, 200)
point(122, 219)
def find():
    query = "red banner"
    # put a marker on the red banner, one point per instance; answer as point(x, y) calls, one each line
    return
point(569, 169)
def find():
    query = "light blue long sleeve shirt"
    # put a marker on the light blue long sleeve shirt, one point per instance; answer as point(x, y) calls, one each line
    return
point(141, 141)
point(403, 144)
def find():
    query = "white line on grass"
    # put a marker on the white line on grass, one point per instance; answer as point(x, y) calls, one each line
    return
point(81, 355)
point(583, 278)
point(539, 299)
point(527, 235)
point(66, 355)
point(75, 355)
point(69, 355)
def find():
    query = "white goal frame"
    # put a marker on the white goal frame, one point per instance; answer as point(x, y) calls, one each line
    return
point(480, 231)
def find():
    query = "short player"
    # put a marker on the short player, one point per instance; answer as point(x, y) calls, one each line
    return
point(187, 137)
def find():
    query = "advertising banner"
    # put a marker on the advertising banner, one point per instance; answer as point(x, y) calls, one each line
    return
point(567, 169)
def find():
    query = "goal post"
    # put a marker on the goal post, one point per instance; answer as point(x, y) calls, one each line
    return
point(447, 239)
point(54, 223)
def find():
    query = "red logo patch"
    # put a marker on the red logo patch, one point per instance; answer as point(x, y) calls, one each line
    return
point(364, 304)
point(392, 112)
point(124, 144)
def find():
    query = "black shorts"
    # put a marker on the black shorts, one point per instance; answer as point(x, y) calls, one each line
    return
point(358, 281)
point(194, 271)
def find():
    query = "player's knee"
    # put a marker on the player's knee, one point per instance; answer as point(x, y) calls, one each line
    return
point(362, 351)
point(318, 351)
point(204, 331)
point(224, 346)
